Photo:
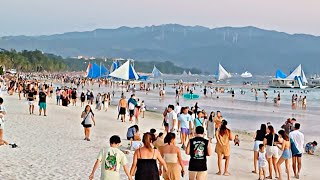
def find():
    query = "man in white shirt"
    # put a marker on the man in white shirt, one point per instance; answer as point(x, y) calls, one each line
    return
point(298, 139)
point(178, 109)
point(171, 118)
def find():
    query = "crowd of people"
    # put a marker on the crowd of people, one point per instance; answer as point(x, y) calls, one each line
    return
point(193, 126)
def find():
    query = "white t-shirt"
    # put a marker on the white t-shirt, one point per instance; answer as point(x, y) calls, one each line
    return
point(178, 109)
point(169, 119)
point(131, 106)
point(111, 160)
point(298, 139)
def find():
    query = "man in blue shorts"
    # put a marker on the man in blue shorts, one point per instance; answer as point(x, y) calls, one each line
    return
point(42, 102)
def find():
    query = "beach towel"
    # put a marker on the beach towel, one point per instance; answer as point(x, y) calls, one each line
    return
point(294, 148)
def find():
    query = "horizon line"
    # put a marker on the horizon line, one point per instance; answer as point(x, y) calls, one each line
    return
point(155, 25)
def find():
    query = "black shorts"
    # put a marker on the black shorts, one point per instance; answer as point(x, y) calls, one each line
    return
point(128, 138)
point(298, 155)
point(131, 113)
point(87, 125)
point(122, 111)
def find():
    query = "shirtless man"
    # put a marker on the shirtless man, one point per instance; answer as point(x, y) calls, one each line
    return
point(123, 105)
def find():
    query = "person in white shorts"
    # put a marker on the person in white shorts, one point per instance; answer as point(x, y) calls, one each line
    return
point(270, 142)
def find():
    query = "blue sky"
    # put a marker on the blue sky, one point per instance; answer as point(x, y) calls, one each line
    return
point(37, 17)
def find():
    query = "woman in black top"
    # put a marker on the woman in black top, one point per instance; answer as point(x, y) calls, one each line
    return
point(258, 139)
point(144, 165)
point(82, 98)
point(270, 141)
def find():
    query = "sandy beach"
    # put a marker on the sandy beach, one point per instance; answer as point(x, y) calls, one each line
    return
point(52, 147)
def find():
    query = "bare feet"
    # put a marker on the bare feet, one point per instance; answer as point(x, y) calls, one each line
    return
point(255, 172)
point(226, 174)
point(218, 173)
point(269, 177)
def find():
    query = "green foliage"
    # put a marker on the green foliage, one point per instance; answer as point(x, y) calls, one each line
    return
point(32, 61)
point(37, 61)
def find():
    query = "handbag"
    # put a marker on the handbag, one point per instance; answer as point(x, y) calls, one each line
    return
point(82, 123)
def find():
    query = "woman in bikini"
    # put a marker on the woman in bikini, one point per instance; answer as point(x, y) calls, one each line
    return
point(286, 153)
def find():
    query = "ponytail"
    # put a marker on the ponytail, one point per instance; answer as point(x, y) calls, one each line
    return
point(147, 140)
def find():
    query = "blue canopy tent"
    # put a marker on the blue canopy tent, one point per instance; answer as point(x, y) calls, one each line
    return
point(280, 74)
point(143, 78)
point(96, 71)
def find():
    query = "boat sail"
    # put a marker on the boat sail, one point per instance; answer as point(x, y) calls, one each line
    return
point(297, 79)
point(156, 72)
point(189, 73)
point(184, 73)
point(223, 74)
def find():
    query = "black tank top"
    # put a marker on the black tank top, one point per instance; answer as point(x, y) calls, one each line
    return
point(198, 154)
point(147, 169)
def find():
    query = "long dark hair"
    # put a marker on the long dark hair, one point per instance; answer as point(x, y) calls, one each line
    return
point(263, 129)
point(271, 129)
point(90, 109)
point(223, 129)
point(284, 135)
point(211, 117)
point(169, 138)
point(147, 140)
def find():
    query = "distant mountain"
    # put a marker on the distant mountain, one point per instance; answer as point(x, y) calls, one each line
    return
point(238, 49)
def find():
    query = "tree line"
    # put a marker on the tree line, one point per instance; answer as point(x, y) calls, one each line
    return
point(38, 61)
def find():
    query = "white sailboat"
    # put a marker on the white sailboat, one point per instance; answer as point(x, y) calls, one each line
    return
point(156, 72)
point(184, 73)
point(223, 73)
point(246, 75)
point(189, 73)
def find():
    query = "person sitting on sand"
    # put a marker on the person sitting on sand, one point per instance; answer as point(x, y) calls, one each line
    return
point(111, 160)
point(223, 135)
point(198, 148)
point(133, 133)
point(236, 140)
point(88, 120)
point(311, 147)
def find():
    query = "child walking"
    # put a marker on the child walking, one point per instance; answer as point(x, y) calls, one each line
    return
point(262, 161)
